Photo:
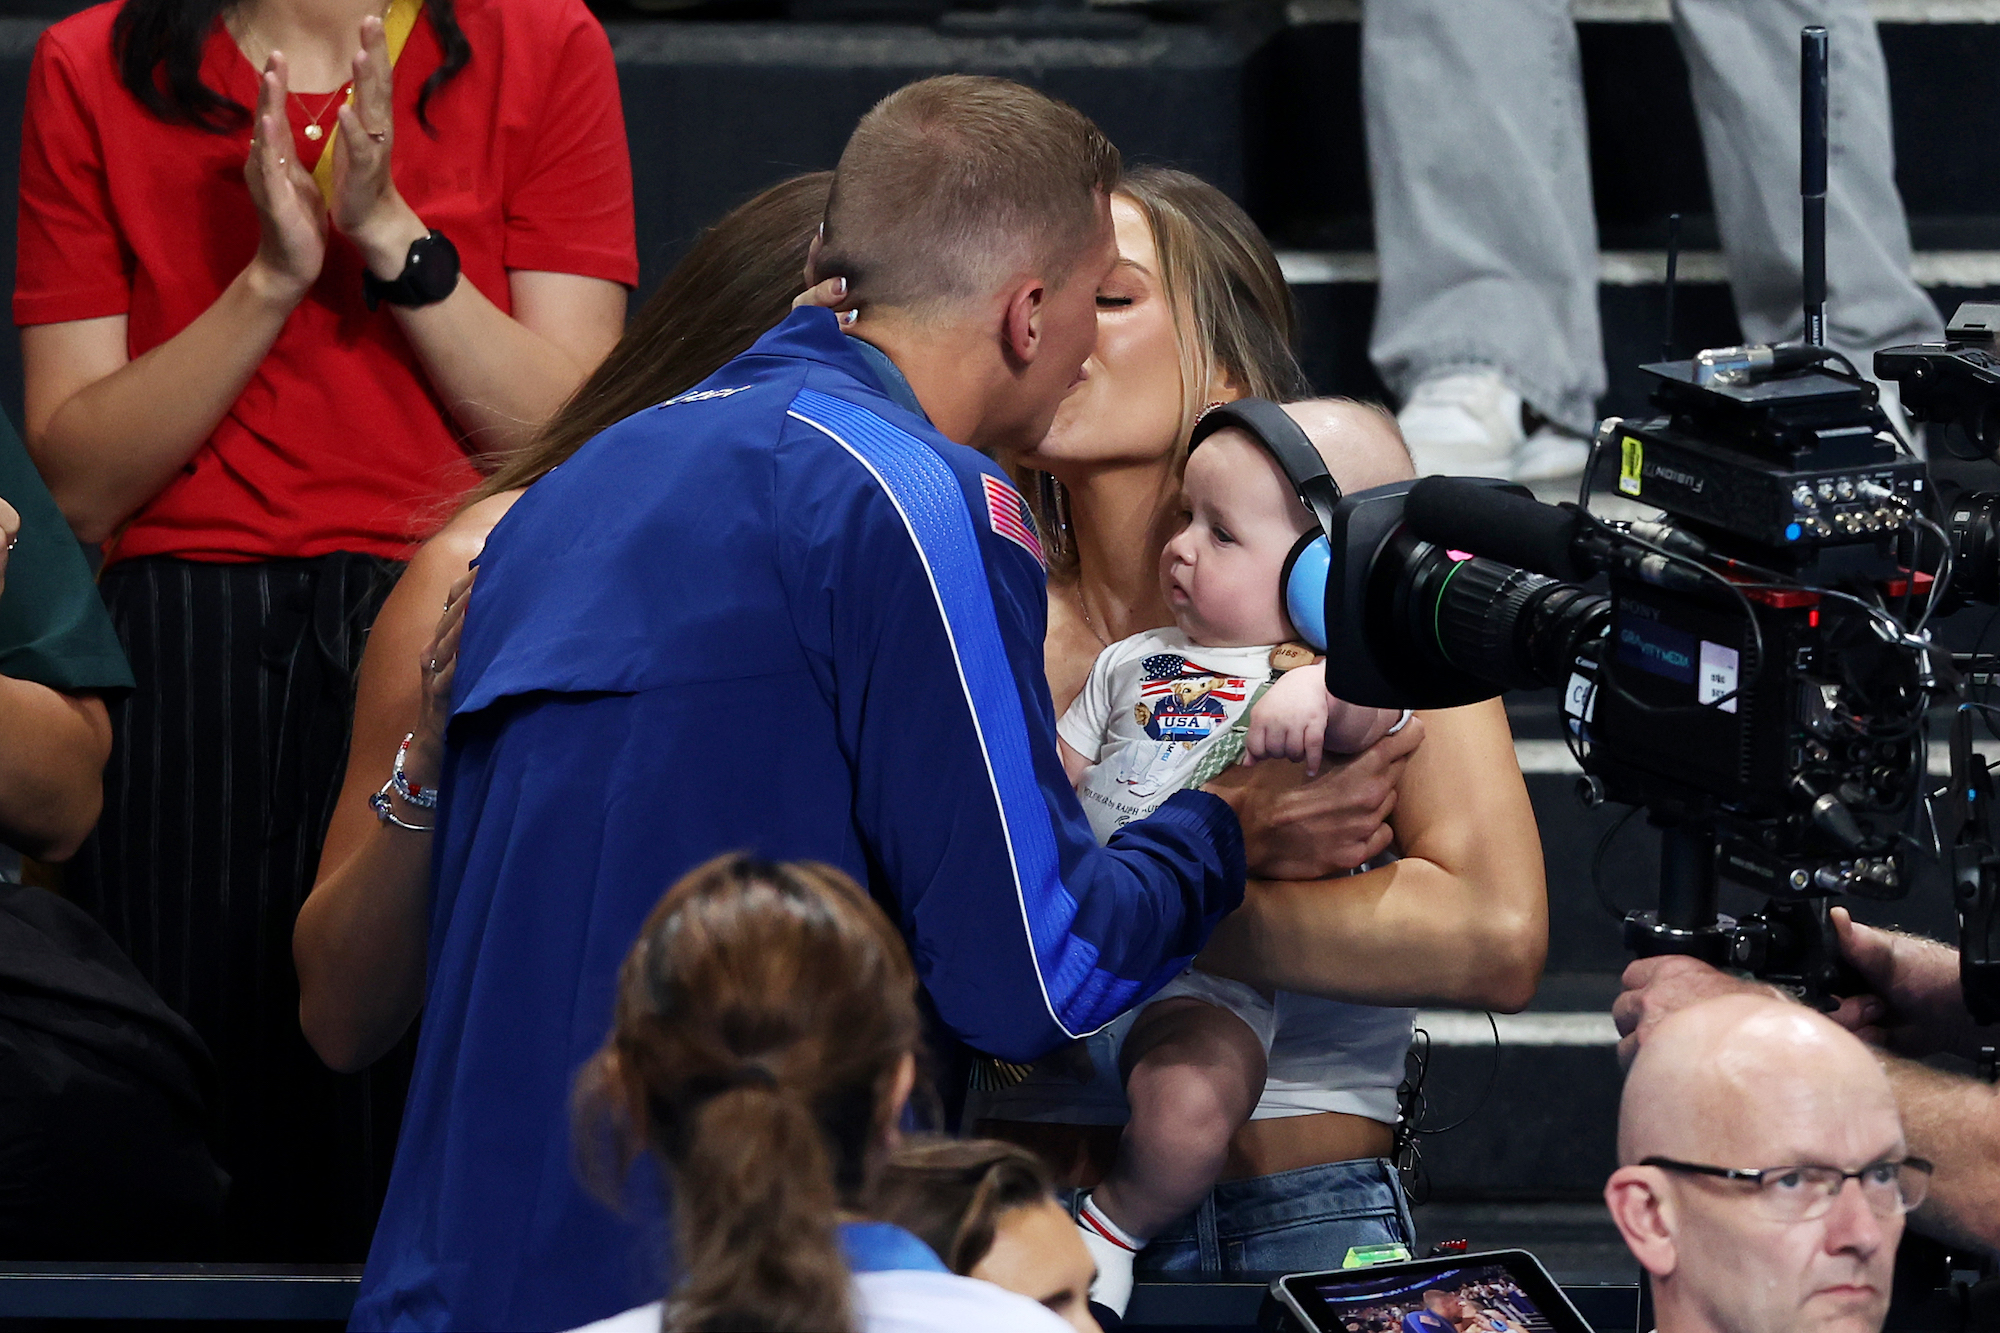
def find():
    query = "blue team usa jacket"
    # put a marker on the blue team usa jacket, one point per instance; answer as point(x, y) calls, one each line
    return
point(778, 614)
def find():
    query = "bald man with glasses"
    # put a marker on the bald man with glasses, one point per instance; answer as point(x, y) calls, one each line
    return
point(1763, 1175)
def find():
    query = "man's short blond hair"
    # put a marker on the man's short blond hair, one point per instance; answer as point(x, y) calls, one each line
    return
point(952, 185)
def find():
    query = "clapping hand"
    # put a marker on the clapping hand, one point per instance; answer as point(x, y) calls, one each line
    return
point(366, 206)
point(291, 216)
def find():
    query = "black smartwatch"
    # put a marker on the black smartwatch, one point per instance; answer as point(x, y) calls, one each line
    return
point(429, 275)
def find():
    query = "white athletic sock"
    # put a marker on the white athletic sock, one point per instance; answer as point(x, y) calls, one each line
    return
point(1114, 1249)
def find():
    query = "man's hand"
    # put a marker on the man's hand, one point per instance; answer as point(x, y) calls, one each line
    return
point(1914, 1007)
point(1324, 827)
point(1657, 987)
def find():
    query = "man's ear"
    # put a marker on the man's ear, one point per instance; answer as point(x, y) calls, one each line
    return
point(1021, 322)
point(1644, 1210)
point(812, 257)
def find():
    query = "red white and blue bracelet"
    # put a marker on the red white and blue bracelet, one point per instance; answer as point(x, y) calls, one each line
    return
point(412, 793)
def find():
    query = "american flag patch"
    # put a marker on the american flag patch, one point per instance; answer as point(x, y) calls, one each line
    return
point(1007, 514)
point(1159, 672)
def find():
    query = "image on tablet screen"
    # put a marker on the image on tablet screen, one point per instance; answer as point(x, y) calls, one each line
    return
point(1481, 1299)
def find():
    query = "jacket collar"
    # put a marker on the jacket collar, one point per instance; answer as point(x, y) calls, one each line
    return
point(882, 1247)
point(813, 334)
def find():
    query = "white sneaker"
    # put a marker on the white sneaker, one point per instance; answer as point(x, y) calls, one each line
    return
point(1466, 424)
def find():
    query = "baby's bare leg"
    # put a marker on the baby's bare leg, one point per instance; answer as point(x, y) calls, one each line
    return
point(1193, 1074)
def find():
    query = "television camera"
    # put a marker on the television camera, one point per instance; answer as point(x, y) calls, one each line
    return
point(1758, 671)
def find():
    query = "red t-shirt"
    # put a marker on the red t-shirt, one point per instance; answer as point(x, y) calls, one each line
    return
point(338, 443)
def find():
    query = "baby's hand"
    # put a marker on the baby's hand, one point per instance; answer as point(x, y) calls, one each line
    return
point(1289, 722)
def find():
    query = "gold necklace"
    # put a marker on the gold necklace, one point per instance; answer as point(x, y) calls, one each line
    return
point(313, 130)
point(1088, 622)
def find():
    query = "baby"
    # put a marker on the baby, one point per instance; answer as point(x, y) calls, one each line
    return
point(1156, 716)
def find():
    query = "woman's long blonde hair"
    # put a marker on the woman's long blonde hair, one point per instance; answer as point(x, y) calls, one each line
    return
point(1233, 317)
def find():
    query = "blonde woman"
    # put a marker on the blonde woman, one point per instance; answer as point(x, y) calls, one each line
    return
point(1196, 311)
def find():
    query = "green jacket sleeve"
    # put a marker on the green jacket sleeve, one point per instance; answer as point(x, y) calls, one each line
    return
point(53, 626)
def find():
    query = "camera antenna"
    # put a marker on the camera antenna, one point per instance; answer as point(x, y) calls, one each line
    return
point(1812, 176)
point(1673, 272)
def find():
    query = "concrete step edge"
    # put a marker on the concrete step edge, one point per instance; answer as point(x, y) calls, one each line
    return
point(1646, 268)
point(1301, 12)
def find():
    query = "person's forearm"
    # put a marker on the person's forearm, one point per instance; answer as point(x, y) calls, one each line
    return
point(500, 379)
point(51, 768)
point(1410, 933)
point(1955, 1122)
point(1461, 920)
point(114, 444)
point(359, 947)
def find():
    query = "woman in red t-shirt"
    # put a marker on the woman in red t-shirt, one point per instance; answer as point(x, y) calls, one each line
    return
point(257, 384)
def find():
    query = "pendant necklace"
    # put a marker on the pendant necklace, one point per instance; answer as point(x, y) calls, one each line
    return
point(313, 129)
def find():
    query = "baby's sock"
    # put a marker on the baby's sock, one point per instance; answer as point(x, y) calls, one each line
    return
point(1114, 1249)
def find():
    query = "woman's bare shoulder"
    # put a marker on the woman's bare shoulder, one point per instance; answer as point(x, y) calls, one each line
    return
point(441, 562)
point(458, 543)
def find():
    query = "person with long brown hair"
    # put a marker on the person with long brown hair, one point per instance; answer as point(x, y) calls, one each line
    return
point(359, 939)
point(1196, 311)
point(762, 1050)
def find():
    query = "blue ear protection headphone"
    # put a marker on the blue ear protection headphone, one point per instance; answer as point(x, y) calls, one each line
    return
point(1302, 583)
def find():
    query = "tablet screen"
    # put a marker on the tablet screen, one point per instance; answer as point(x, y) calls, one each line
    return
point(1506, 1292)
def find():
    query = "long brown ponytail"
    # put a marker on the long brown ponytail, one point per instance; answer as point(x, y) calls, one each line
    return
point(763, 1018)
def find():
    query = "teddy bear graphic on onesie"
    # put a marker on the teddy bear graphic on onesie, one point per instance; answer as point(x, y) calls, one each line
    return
point(1181, 704)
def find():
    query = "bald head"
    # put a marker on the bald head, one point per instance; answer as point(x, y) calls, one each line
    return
point(1754, 1083)
point(1743, 1080)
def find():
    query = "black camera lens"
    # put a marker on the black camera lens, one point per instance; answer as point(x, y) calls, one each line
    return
point(1501, 624)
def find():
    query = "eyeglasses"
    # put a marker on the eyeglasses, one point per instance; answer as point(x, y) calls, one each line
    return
point(1802, 1193)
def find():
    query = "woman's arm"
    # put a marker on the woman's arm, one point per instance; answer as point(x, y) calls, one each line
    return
point(501, 375)
point(109, 432)
point(361, 936)
point(1461, 920)
point(51, 768)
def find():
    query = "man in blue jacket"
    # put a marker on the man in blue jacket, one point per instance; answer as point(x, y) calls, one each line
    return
point(786, 614)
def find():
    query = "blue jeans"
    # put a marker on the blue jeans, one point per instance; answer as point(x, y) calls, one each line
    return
point(1291, 1222)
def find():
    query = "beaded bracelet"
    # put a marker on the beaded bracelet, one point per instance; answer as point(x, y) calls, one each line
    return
point(385, 812)
point(413, 792)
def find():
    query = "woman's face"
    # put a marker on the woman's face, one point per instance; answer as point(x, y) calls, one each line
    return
point(1038, 1252)
point(1127, 409)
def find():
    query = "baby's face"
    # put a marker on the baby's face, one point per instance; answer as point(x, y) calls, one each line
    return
point(1220, 571)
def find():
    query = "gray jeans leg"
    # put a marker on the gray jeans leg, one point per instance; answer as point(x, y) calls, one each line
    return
point(1483, 221)
point(1743, 56)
